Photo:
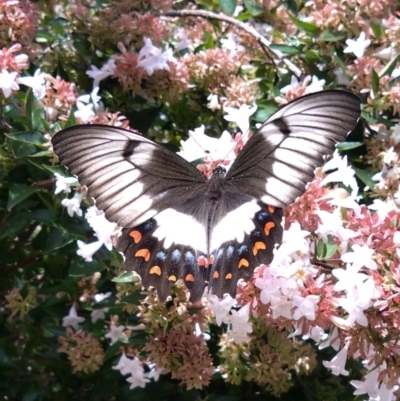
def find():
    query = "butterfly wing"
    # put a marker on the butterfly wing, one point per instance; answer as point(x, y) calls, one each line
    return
point(130, 177)
point(273, 169)
point(150, 192)
point(279, 160)
point(243, 236)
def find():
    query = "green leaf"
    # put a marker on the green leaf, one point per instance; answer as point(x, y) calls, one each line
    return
point(366, 178)
point(286, 49)
point(375, 81)
point(34, 138)
point(12, 225)
point(343, 146)
point(22, 149)
point(265, 110)
point(41, 215)
point(34, 113)
point(58, 239)
point(227, 6)
point(18, 193)
point(125, 277)
point(143, 120)
point(253, 7)
point(376, 29)
point(328, 36)
point(390, 66)
point(311, 29)
point(81, 268)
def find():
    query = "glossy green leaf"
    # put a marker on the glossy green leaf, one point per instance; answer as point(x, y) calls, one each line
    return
point(286, 49)
point(81, 268)
point(34, 113)
point(374, 81)
point(307, 27)
point(18, 193)
point(366, 177)
point(227, 6)
point(33, 137)
point(253, 7)
point(342, 146)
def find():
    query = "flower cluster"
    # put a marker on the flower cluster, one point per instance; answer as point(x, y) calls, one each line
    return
point(84, 351)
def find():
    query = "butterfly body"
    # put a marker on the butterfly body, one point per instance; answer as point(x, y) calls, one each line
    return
point(177, 224)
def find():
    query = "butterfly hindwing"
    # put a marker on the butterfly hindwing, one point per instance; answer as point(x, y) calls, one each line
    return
point(161, 258)
point(254, 230)
point(279, 160)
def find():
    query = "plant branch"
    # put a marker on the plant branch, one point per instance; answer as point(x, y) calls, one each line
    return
point(264, 42)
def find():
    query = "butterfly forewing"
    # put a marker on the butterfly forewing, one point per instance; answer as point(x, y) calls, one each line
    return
point(280, 159)
point(130, 177)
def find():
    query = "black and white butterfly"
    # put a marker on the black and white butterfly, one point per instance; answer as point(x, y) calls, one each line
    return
point(177, 224)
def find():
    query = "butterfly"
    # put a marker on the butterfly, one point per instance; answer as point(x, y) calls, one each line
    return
point(176, 223)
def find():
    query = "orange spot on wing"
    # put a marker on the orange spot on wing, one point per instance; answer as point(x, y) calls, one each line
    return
point(136, 236)
point(172, 278)
point(243, 262)
point(156, 270)
point(189, 277)
point(144, 253)
point(216, 274)
point(257, 246)
point(271, 209)
point(202, 261)
point(268, 227)
point(211, 260)
point(228, 276)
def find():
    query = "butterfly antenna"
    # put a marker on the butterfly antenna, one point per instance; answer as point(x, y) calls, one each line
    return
point(201, 147)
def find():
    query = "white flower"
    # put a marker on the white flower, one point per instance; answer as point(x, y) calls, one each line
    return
point(88, 250)
point(37, 83)
point(332, 224)
point(151, 58)
point(358, 46)
point(240, 324)
point(132, 367)
point(73, 204)
point(281, 307)
point(199, 145)
point(230, 43)
point(99, 314)
point(63, 184)
point(316, 85)
point(344, 173)
point(341, 78)
point(104, 229)
point(72, 319)
point(240, 116)
point(369, 385)
point(294, 84)
point(333, 341)
point(8, 82)
point(213, 103)
point(184, 41)
point(358, 300)
point(115, 333)
point(360, 257)
point(220, 308)
point(349, 278)
point(198, 333)
point(85, 111)
point(338, 363)
point(105, 71)
point(305, 306)
point(92, 98)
